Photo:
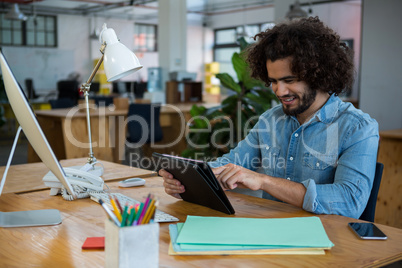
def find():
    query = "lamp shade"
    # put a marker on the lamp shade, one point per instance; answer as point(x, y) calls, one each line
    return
point(119, 61)
point(15, 14)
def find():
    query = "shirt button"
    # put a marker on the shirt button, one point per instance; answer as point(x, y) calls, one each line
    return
point(317, 164)
point(291, 158)
point(288, 178)
point(296, 135)
point(267, 147)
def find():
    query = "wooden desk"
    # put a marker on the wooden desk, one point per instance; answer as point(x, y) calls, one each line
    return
point(389, 201)
point(60, 245)
point(67, 132)
point(28, 177)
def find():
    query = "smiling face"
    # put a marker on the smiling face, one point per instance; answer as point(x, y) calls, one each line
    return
point(296, 96)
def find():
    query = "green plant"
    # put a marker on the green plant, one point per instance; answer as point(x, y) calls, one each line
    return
point(214, 131)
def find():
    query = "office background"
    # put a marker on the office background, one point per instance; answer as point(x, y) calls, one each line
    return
point(185, 43)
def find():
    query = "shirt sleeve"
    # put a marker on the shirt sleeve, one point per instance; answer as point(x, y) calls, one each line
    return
point(354, 175)
point(246, 154)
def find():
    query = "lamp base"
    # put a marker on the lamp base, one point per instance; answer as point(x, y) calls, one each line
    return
point(92, 168)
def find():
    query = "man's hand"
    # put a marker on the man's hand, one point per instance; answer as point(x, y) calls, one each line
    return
point(172, 186)
point(232, 176)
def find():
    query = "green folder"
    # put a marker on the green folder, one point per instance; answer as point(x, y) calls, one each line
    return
point(241, 233)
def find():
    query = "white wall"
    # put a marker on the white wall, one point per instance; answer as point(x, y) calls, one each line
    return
point(75, 53)
point(44, 66)
point(252, 16)
point(345, 19)
point(196, 37)
point(381, 64)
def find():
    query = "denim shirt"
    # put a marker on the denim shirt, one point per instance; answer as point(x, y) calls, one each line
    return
point(333, 155)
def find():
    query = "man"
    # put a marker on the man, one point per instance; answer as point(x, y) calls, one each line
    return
point(314, 151)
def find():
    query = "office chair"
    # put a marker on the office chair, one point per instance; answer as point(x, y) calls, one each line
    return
point(119, 88)
point(95, 87)
point(30, 89)
point(68, 89)
point(139, 117)
point(61, 103)
point(139, 89)
point(102, 100)
point(369, 211)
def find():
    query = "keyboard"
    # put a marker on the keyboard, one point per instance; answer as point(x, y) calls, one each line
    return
point(160, 216)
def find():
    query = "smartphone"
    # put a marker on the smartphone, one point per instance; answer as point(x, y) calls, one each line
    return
point(367, 230)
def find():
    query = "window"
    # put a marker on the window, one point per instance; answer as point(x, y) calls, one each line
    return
point(40, 31)
point(226, 44)
point(145, 37)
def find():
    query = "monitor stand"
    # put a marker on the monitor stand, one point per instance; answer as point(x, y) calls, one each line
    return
point(30, 217)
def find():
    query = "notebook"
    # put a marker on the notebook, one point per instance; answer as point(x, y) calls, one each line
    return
point(201, 185)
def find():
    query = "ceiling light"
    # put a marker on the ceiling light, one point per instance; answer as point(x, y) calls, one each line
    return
point(296, 12)
point(15, 14)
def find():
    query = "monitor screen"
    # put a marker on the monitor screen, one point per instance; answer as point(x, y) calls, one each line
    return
point(32, 130)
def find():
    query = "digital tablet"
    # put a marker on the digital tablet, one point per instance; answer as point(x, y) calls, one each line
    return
point(201, 185)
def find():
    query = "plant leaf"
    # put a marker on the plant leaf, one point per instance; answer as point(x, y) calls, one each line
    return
point(243, 43)
point(229, 82)
point(240, 66)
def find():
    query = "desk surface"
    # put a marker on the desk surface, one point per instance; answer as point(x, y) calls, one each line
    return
point(394, 133)
point(165, 109)
point(61, 244)
point(28, 177)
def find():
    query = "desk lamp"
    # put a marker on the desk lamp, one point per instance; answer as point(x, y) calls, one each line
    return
point(118, 61)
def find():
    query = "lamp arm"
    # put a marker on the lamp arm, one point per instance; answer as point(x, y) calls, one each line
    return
point(94, 71)
point(85, 88)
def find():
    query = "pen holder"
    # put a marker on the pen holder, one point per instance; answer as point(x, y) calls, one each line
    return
point(133, 246)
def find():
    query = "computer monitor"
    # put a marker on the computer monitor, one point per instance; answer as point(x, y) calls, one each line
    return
point(37, 139)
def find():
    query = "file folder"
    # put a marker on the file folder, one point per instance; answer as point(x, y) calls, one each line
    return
point(177, 249)
point(297, 232)
point(201, 185)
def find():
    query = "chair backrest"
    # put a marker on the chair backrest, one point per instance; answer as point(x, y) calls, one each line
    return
point(30, 89)
point(95, 87)
point(61, 103)
point(369, 211)
point(68, 89)
point(139, 89)
point(144, 118)
point(102, 100)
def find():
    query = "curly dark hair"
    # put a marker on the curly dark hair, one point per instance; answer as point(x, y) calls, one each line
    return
point(319, 58)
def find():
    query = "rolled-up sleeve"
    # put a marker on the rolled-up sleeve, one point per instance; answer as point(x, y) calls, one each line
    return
point(245, 153)
point(354, 175)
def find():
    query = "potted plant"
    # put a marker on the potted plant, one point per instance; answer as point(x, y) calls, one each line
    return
point(214, 131)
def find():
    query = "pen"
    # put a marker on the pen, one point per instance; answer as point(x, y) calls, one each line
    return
point(151, 213)
point(144, 209)
point(115, 209)
point(148, 214)
point(109, 212)
point(137, 216)
point(118, 205)
point(152, 217)
point(131, 217)
point(124, 218)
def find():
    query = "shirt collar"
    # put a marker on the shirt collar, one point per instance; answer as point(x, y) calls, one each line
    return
point(330, 109)
point(327, 112)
